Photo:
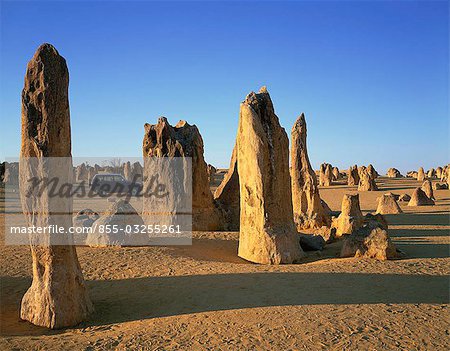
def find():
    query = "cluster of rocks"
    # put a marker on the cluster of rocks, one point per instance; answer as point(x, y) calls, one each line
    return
point(130, 171)
point(393, 173)
point(365, 236)
point(367, 178)
point(9, 173)
point(259, 195)
point(325, 174)
point(422, 196)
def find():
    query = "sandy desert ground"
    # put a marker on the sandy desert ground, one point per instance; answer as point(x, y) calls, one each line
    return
point(204, 297)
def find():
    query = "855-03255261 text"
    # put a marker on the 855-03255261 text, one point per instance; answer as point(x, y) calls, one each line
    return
point(99, 228)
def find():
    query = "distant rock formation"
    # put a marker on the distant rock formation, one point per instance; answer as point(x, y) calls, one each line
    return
point(388, 205)
point(353, 176)
point(336, 174)
point(227, 194)
point(373, 173)
point(421, 174)
point(419, 198)
point(325, 174)
point(351, 217)
point(393, 173)
point(11, 173)
point(431, 173)
point(308, 209)
point(366, 182)
point(428, 189)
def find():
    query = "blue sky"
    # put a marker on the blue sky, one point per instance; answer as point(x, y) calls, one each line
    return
point(371, 76)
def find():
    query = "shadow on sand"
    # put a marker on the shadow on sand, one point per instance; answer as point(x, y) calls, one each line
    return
point(442, 218)
point(119, 301)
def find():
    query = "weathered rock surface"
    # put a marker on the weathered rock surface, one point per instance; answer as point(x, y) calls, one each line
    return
point(369, 241)
point(431, 173)
point(393, 173)
point(351, 217)
point(127, 171)
point(184, 140)
point(366, 182)
point(439, 172)
point(325, 174)
point(81, 173)
point(421, 174)
point(371, 170)
point(267, 231)
point(419, 198)
point(119, 215)
point(412, 174)
point(11, 173)
point(446, 175)
point(308, 209)
point(136, 172)
point(227, 194)
point(353, 176)
point(90, 174)
point(388, 205)
point(428, 189)
point(57, 297)
point(336, 174)
point(2, 171)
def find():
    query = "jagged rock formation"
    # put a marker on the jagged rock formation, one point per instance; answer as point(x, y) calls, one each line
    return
point(267, 232)
point(183, 140)
point(57, 297)
point(351, 217)
point(366, 182)
point(127, 171)
point(373, 173)
point(119, 215)
point(81, 173)
point(428, 189)
point(325, 174)
point(336, 174)
point(2, 170)
point(353, 176)
point(431, 173)
point(370, 241)
point(136, 172)
point(388, 205)
point(421, 174)
point(393, 173)
point(90, 174)
point(11, 173)
point(227, 194)
point(308, 209)
point(419, 198)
